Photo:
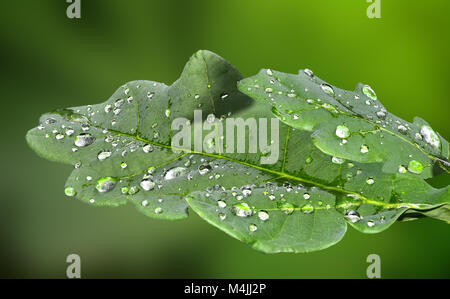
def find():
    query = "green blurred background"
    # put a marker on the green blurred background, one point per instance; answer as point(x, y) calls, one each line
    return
point(49, 61)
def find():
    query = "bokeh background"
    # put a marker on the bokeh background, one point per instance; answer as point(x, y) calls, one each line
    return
point(49, 61)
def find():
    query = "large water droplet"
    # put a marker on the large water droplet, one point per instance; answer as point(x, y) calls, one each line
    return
point(287, 208)
point(307, 209)
point(175, 173)
point(106, 184)
point(147, 184)
point(337, 160)
point(368, 91)
point(430, 136)
point(242, 209)
point(327, 88)
point(415, 166)
point(352, 216)
point(263, 215)
point(84, 139)
point(103, 155)
point(342, 131)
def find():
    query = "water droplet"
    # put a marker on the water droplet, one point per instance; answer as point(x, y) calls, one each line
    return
point(147, 148)
point(222, 216)
point(364, 149)
point(246, 190)
point(352, 216)
point(269, 72)
point(175, 173)
point(133, 190)
point(123, 165)
point(106, 184)
point(287, 208)
point(415, 166)
point(263, 215)
point(370, 223)
point(147, 184)
point(337, 160)
point(103, 155)
point(158, 210)
point(430, 136)
point(84, 139)
point(381, 114)
point(327, 88)
point(221, 204)
point(167, 113)
point(252, 227)
point(145, 203)
point(370, 181)
point(204, 169)
point(224, 96)
point(308, 72)
point(306, 196)
point(70, 191)
point(369, 92)
point(59, 136)
point(308, 160)
point(402, 129)
point(307, 209)
point(268, 90)
point(342, 131)
point(402, 169)
point(242, 209)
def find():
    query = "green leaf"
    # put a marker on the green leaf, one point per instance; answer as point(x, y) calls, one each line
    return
point(123, 151)
point(352, 125)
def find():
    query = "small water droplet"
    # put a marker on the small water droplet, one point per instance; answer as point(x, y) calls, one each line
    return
point(103, 155)
point(337, 160)
point(252, 227)
point(222, 216)
point(370, 223)
point(370, 181)
point(352, 216)
point(70, 191)
point(402, 169)
point(204, 169)
point(221, 204)
point(308, 72)
point(158, 210)
point(364, 149)
point(327, 88)
point(306, 196)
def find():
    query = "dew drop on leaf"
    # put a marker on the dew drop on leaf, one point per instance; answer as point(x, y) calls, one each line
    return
point(242, 209)
point(263, 215)
point(415, 166)
point(430, 136)
point(84, 139)
point(103, 155)
point(106, 184)
point(70, 191)
point(252, 227)
point(287, 208)
point(175, 173)
point(369, 92)
point(342, 131)
point(352, 216)
point(364, 149)
point(307, 208)
point(327, 89)
point(147, 184)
